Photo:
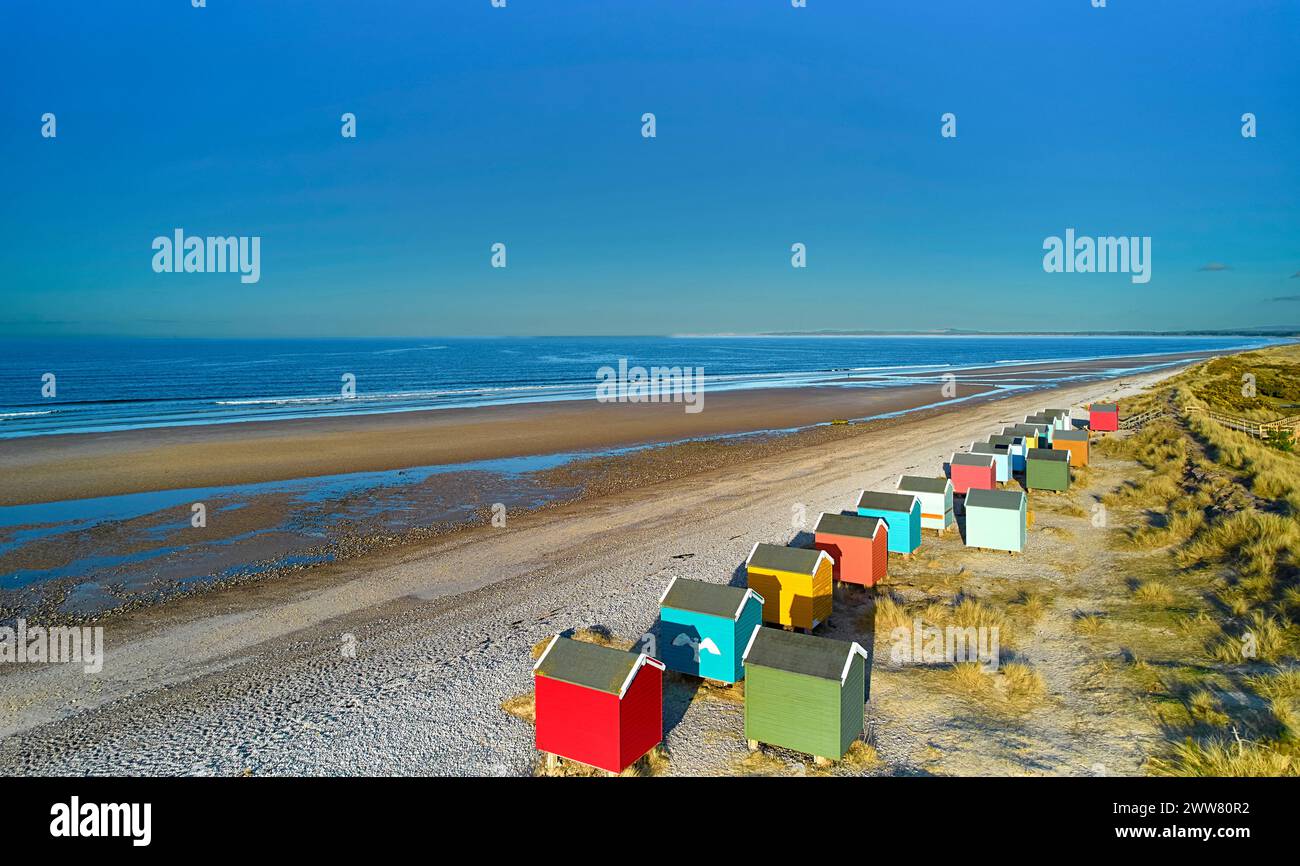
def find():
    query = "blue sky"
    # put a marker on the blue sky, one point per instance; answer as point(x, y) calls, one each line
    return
point(522, 125)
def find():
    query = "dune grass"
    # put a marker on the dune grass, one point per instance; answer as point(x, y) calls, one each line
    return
point(1222, 508)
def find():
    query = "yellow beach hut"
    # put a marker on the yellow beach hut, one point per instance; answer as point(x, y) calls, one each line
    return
point(795, 584)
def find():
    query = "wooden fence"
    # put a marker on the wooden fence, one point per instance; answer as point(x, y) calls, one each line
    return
point(1258, 429)
point(1136, 422)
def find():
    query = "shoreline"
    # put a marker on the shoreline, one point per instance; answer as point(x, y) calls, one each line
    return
point(60, 467)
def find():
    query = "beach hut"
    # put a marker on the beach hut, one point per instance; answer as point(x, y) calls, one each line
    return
point(704, 626)
point(795, 583)
point(1016, 446)
point(1032, 434)
point(1076, 443)
point(1047, 469)
point(1001, 455)
point(1103, 417)
point(858, 547)
point(1046, 425)
point(996, 519)
point(902, 511)
point(597, 705)
point(804, 693)
point(1063, 418)
point(935, 494)
point(972, 470)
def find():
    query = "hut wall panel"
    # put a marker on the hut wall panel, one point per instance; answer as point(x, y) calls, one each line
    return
point(853, 697)
point(794, 711)
point(641, 725)
point(577, 723)
point(750, 619)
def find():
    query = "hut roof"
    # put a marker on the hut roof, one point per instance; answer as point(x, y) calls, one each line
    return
point(972, 460)
point(1071, 436)
point(848, 524)
point(988, 448)
point(924, 484)
point(702, 596)
point(1104, 407)
point(1010, 500)
point(800, 560)
point(1006, 440)
point(1057, 454)
point(602, 668)
point(821, 657)
point(886, 501)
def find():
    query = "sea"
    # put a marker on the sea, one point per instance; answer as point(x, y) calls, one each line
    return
point(81, 385)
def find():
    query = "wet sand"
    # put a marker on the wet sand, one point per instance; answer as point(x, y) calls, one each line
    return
point(76, 466)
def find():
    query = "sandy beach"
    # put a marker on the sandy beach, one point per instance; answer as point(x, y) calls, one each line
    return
point(51, 468)
point(254, 681)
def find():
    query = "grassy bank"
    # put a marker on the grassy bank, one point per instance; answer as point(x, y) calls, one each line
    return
point(1219, 512)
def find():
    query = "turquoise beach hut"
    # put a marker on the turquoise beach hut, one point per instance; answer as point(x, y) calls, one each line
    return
point(901, 513)
point(1001, 455)
point(1016, 446)
point(704, 627)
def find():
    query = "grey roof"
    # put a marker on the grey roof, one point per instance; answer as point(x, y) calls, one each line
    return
point(1071, 436)
point(972, 460)
point(848, 524)
point(702, 596)
point(587, 664)
point(1040, 418)
point(822, 657)
point(1023, 429)
point(988, 448)
point(1104, 407)
point(1064, 413)
point(800, 560)
point(1011, 500)
point(1057, 454)
point(923, 484)
point(886, 501)
point(1007, 440)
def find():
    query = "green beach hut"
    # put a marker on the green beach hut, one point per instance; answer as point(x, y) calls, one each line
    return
point(1047, 469)
point(996, 519)
point(804, 693)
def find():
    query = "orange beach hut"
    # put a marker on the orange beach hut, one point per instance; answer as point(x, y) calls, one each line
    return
point(859, 547)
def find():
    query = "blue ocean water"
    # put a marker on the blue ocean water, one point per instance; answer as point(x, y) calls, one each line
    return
point(121, 383)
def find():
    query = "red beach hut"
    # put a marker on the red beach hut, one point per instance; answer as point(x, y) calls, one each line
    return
point(859, 546)
point(596, 705)
point(972, 470)
point(1103, 417)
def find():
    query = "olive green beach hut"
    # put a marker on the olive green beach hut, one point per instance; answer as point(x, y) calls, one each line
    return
point(803, 692)
point(1047, 469)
